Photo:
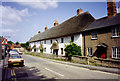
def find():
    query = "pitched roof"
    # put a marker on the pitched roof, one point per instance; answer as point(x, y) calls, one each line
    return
point(71, 26)
point(104, 22)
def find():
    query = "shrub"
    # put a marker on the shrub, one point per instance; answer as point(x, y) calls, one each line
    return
point(72, 49)
point(41, 50)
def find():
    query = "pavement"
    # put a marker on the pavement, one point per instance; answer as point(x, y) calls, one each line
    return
point(1, 66)
point(104, 69)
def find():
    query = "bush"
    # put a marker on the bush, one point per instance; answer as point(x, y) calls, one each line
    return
point(41, 50)
point(72, 49)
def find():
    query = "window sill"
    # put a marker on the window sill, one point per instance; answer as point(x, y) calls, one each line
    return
point(93, 38)
point(115, 58)
point(115, 37)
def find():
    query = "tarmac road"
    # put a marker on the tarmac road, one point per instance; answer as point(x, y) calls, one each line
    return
point(40, 68)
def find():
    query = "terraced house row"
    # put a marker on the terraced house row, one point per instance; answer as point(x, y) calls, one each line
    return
point(97, 37)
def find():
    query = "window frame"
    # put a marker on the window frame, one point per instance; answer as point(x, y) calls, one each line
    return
point(44, 41)
point(62, 50)
point(94, 35)
point(91, 51)
point(115, 55)
point(115, 31)
point(62, 40)
point(72, 39)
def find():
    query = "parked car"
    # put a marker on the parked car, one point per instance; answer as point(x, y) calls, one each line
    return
point(20, 52)
point(15, 60)
point(13, 52)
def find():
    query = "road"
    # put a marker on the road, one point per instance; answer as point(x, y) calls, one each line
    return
point(40, 68)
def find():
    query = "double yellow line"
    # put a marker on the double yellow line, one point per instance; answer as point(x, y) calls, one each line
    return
point(13, 74)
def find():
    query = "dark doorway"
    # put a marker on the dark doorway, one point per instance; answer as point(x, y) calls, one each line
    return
point(101, 51)
point(55, 51)
point(34, 50)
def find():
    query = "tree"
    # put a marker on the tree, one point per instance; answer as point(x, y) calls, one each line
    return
point(25, 45)
point(72, 49)
point(10, 42)
point(17, 43)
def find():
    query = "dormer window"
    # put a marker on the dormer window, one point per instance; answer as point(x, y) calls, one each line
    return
point(94, 35)
point(116, 32)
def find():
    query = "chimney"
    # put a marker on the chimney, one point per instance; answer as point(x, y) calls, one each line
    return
point(38, 32)
point(55, 23)
point(46, 28)
point(111, 8)
point(79, 11)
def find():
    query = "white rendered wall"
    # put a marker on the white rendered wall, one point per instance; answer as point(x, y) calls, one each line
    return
point(77, 40)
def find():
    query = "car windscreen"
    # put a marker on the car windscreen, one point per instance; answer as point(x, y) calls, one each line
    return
point(13, 52)
point(13, 57)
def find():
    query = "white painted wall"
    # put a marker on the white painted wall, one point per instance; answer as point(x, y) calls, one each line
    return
point(77, 40)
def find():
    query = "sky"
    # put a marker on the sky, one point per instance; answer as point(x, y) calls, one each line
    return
point(22, 20)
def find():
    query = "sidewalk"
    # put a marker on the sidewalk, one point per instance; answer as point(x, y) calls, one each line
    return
point(104, 69)
point(1, 67)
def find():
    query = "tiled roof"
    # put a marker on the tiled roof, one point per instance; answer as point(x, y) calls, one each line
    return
point(104, 22)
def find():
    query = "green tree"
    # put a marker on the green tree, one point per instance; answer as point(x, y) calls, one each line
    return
point(72, 49)
point(10, 42)
point(25, 45)
point(17, 43)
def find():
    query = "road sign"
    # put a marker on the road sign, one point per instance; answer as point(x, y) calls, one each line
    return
point(4, 42)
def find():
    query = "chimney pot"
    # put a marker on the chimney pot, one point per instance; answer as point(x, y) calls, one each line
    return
point(38, 32)
point(111, 8)
point(46, 28)
point(55, 23)
point(79, 11)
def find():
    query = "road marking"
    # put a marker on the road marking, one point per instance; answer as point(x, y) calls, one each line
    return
point(14, 72)
point(11, 73)
point(54, 72)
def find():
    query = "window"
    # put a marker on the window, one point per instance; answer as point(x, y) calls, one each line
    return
point(51, 41)
point(44, 49)
point(89, 51)
point(62, 40)
point(72, 38)
point(116, 52)
point(94, 35)
point(116, 32)
point(62, 51)
point(44, 41)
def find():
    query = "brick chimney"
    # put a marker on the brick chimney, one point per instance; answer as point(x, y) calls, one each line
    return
point(46, 28)
point(79, 11)
point(111, 8)
point(55, 23)
point(38, 32)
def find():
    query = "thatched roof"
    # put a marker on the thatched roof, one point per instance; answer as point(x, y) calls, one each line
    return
point(104, 22)
point(71, 26)
point(55, 45)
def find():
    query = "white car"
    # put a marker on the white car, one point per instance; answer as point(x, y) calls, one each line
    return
point(15, 60)
point(13, 52)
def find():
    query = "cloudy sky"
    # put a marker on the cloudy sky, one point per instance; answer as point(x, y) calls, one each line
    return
point(21, 20)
